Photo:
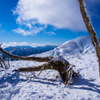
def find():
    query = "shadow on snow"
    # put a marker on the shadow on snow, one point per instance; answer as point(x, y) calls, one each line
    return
point(85, 84)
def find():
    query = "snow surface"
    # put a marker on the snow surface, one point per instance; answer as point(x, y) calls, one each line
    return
point(48, 85)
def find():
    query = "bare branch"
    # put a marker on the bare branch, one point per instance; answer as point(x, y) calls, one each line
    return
point(34, 68)
point(0, 45)
point(8, 60)
point(63, 67)
point(39, 59)
point(90, 29)
point(1, 64)
point(12, 50)
point(50, 65)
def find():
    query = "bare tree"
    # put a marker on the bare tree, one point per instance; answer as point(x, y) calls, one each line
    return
point(90, 29)
point(64, 68)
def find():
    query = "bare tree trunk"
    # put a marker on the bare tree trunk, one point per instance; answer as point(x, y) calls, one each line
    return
point(61, 65)
point(90, 30)
point(55, 65)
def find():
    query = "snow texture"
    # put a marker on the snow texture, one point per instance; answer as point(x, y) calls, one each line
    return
point(48, 85)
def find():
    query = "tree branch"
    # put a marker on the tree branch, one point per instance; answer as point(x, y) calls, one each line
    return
point(39, 59)
point(90, 29)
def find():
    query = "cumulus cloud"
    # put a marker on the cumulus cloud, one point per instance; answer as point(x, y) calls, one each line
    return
point(62, 14)
point(4, 45)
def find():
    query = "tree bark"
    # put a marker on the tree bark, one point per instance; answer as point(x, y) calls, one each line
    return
point(60, 66)
point(90, 30)
point(63, 67)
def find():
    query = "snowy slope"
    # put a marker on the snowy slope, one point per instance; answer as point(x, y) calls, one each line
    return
point(46, 86)
point(80, 45)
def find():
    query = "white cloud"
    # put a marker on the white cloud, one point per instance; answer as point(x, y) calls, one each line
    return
point(58, 13)
point(28, 25)
point(33, 31)
point(22, 31)
point(4, 45)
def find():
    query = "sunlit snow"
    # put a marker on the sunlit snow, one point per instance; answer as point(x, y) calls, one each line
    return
point(48, 85)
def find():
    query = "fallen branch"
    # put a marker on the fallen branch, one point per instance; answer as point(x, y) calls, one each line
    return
point(39, 59)
point(60, 64)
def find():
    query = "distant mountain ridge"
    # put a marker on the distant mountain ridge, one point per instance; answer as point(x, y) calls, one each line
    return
point(28, 50)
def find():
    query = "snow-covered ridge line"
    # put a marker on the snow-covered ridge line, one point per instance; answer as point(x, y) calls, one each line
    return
point(80, 45)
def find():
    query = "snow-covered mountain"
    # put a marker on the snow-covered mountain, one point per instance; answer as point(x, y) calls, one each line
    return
point(46, 86)
point(80, 45)
point(76, 46)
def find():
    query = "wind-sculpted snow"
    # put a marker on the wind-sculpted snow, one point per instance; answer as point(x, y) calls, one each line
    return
point(48, 85)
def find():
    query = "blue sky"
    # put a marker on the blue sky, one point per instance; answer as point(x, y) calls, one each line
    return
point(44, 22)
